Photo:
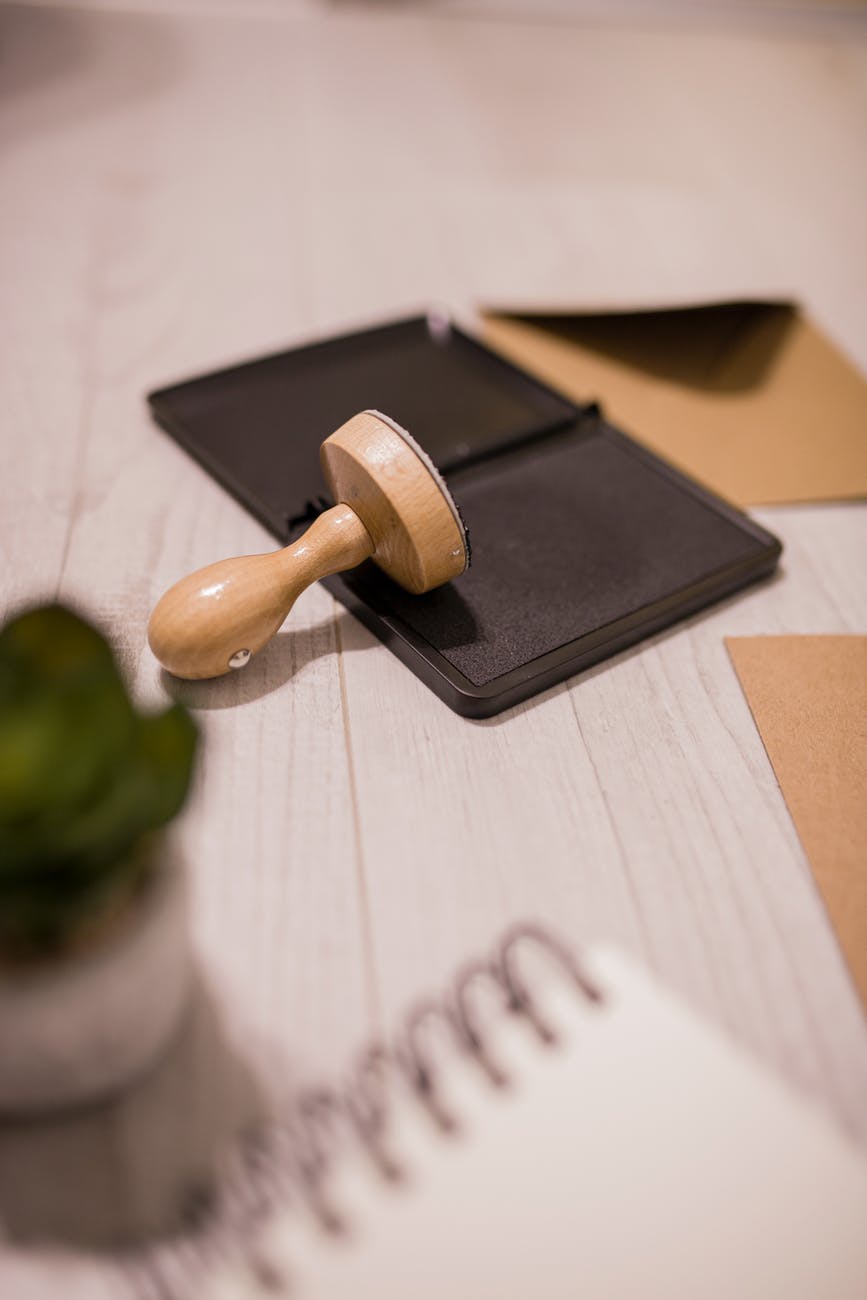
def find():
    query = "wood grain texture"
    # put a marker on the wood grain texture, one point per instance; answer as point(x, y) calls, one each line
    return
point(392, 507)
point(210, 622)
point(373, 465)
point(182, 191)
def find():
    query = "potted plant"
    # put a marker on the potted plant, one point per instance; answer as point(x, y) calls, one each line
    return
point(94, 957)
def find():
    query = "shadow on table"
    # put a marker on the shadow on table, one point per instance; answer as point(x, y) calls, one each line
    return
point(441, 616)
point(140, 1166)
point(285, 657)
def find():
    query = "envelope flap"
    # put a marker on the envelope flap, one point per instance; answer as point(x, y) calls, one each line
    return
point(749, 398)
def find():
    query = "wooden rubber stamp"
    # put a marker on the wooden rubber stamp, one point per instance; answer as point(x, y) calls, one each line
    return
point(392, 507)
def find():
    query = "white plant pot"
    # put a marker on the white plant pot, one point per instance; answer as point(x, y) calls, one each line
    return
point(81, 1027)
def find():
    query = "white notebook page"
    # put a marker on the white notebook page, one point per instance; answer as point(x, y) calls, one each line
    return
point(643, 1156)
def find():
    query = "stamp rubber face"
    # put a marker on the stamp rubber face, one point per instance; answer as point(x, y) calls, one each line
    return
point(400, 497)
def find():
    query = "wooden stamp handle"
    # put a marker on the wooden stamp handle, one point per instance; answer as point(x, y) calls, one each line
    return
point(215, 619)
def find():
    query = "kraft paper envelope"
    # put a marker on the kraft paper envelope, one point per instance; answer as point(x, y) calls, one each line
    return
point(749, 398)
point(808, 696)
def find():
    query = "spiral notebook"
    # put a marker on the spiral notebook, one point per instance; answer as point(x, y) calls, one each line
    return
point(548, 1130)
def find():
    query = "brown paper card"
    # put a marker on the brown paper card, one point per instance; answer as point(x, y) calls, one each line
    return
point(751, 399)
point(808, 696)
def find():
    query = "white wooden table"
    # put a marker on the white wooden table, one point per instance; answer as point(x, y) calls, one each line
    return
point(179, 191)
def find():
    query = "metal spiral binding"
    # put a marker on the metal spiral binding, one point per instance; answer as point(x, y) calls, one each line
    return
point(279, 1162)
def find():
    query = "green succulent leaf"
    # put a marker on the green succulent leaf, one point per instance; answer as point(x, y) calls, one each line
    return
point(84, 779)
point(168, 749)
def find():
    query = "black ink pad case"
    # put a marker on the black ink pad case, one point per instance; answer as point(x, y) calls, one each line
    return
point(583, 542)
